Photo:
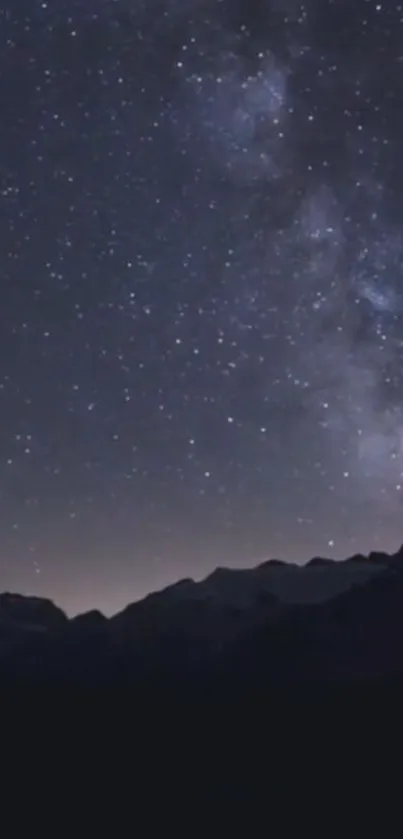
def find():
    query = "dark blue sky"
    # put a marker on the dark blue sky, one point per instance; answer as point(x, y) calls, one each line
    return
point(201, 299)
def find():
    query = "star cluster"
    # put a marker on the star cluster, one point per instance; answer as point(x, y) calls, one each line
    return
point(201, 322)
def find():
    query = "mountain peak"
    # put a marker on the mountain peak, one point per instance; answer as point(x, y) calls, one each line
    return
point(39, 611)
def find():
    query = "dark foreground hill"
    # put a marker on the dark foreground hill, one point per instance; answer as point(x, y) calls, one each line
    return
point(327, 622)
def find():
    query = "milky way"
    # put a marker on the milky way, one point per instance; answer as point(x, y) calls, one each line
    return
point(201, 322)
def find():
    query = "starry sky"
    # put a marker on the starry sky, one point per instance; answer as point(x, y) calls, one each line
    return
point(201, 335)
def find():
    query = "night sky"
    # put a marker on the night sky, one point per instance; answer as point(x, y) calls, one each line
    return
point(201, 335)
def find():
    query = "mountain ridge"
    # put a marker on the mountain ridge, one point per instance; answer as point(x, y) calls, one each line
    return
point(327, 620)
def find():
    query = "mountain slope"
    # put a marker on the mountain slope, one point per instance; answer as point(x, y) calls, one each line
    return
point(326, 621)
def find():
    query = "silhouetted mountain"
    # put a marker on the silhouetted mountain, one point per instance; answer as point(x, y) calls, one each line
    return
point(92, 620)
point(332, 622)
point(30, 611)
point(319, 562)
